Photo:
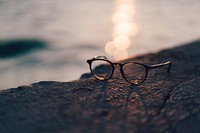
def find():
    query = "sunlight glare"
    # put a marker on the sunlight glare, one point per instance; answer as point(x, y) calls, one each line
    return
point(123, 1)
point(121, 17)
point(124, 28)
point(128, 29)
point(110, 48)
point(122, 42)
point(126, 8)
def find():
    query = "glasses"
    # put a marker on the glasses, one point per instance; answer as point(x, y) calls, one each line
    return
point(133, 72)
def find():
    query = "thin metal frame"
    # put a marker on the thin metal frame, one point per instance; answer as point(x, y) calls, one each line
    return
point(121, 65)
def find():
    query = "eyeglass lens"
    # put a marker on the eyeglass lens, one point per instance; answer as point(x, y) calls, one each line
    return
point(134, 73)
point(101, 69)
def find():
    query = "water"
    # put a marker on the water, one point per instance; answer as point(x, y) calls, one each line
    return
point(74, 31)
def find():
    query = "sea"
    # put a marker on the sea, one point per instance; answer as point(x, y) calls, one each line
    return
point(62, 34)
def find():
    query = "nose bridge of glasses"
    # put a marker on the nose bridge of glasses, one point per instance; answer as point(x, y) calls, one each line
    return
point(117, 64)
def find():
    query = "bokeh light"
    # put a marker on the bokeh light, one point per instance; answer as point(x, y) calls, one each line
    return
point(128, 29)
point(121, 17)
point(124, 28)
point(110, 48)
point(122, 42)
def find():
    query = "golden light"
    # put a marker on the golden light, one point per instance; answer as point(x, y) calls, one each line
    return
point(123, 1)
point(121, 17)
point(128, 29)
point(126, 8)
point(110, 48)
point(124, 28)
point(122, 42)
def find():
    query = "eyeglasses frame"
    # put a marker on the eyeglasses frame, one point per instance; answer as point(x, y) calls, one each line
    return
point(121, 65)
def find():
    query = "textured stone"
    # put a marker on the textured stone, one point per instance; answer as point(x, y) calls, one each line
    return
point(163, 103)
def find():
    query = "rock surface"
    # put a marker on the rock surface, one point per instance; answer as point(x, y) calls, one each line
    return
point(163, 103)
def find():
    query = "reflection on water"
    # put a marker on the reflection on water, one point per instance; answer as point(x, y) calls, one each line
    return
point(124, 29)
point(73, 31)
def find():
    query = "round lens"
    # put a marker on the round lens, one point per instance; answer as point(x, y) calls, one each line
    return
point(101, 69)
point(134, 73)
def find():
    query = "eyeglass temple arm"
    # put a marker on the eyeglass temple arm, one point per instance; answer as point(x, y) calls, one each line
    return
point(161, 65)
point(100, 57)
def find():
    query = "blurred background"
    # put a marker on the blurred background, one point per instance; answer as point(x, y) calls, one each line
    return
point(51, 40)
